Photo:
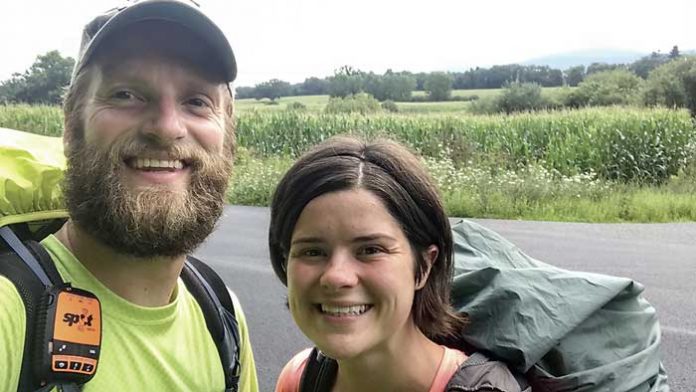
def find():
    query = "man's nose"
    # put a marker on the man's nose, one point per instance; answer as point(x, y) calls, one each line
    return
point(340, 272)
point(166, 123)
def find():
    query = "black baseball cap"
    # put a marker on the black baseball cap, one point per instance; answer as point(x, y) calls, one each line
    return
point(188, 16)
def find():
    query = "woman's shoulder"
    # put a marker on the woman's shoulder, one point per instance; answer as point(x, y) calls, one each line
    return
point(479, 372)
point(289, 378)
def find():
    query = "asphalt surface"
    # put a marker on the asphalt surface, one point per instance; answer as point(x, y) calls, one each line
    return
point(660, 256)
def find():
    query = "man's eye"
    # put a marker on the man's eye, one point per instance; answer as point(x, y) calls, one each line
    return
point(198, 102)
point(124, 95)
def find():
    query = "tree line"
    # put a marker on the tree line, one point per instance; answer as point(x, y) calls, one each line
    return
point(46, 79)
point(397, 86)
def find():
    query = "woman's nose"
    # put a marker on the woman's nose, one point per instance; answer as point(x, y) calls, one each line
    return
point(340, 272)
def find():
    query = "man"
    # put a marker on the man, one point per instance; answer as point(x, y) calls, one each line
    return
point(149, 139)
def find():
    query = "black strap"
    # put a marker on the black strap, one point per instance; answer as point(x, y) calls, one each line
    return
point(21, 250)
point(30, 268)
point(216, 304)
point(319, 374)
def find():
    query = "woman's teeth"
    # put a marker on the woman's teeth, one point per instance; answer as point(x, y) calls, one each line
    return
point(354, 310)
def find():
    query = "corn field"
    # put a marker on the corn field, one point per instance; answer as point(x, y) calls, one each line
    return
point(636, 145)
point(629, 145)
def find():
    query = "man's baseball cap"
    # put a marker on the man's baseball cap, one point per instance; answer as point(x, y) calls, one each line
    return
point(175, 11)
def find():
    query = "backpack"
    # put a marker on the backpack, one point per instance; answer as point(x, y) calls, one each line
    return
point(565, 330)
point(31, 208)
point(319, 375)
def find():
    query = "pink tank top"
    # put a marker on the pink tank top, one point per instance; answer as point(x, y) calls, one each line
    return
point(289, 379)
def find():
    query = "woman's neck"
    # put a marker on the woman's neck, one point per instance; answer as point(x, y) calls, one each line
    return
point(408, 363)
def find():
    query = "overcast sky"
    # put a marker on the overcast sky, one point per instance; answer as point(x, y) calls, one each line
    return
point(295, 39)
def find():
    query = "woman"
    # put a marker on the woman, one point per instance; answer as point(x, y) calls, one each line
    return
point(359, 236)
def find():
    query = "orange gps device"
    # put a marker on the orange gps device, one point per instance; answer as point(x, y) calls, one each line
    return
point(72, 326)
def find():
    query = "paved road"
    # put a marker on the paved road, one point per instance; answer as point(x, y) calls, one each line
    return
point(661, 256)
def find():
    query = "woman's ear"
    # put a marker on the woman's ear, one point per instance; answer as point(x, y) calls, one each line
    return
point(429, 256)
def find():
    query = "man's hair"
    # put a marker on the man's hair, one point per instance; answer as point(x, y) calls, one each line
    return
point(396, 176)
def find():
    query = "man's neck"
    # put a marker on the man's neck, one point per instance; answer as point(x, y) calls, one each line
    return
point(143, 281)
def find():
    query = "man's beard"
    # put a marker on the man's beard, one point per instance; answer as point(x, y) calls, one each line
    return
point(145, 222)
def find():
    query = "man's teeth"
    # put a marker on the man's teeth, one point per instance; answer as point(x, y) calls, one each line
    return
point(146, 163)
point(354, 310)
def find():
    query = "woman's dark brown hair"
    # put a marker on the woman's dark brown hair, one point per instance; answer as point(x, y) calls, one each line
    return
point(397, 177)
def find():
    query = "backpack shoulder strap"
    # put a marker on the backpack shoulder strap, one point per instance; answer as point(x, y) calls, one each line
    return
point(32, 291)
point(487, 373)
point(217, 306)
point(319, 374)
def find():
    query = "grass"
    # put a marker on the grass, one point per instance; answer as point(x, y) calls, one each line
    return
point(41, 119)
point(529, 194)
point(316, 103)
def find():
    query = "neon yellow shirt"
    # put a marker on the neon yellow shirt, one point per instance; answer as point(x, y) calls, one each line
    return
point(165, 348)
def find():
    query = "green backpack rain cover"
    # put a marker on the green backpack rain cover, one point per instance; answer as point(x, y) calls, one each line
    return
point(567, 330)
point(31, 169)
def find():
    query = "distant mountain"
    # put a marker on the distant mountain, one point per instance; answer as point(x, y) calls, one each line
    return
point(586, 57)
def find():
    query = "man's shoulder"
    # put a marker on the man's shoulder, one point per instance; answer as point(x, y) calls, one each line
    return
point(12, 331)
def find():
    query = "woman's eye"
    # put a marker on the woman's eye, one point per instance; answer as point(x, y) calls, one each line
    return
point(312, 253)
point(307, 253)
point(371, 250)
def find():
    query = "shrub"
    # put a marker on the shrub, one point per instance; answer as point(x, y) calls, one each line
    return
point(616, 87)
point(673, 85)
point(358, 103)
point(296, 106)
point(439, 86)
point(521, 97)
point(390, 106)
point(485, 105)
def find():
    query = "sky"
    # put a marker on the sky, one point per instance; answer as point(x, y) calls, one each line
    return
point(295, 39)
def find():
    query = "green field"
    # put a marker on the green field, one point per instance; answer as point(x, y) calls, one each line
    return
point(316, 103)
point(595, 165)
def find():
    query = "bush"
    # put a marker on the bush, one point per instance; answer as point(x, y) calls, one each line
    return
point(615, 87)
point(521, 97)
point(358, 103)
point(673, 85)
point(390, 86)
point(390, 106)
point(485, 105)
point(439, 86)
point(296, 106)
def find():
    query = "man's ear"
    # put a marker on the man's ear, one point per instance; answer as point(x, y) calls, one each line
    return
point(67, 137)
point(429, 256)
